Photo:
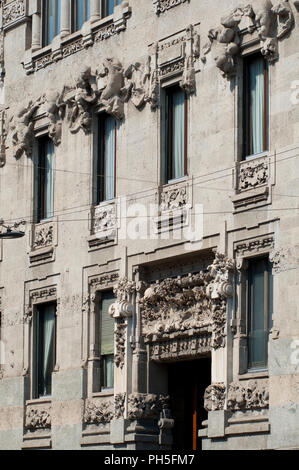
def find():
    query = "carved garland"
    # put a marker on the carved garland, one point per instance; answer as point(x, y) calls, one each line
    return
point(38, 417)
point(272, 23)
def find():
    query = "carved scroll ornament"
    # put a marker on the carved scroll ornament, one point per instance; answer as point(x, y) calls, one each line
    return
point(271, 22)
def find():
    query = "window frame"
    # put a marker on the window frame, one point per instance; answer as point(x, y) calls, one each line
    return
point(104, 357)
point(74, 25)
point(268, 270)
point(168, 124)
point(100, 171)
point(46, 40)
point(40, 179)
point(247, 151)
point(36, 349)
point(104, 7)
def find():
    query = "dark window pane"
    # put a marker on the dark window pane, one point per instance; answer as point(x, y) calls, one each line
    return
point(260, 311)
point(45, 348)
point(175, 133)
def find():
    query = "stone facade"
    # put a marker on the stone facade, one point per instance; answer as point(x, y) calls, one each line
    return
point(175, 255)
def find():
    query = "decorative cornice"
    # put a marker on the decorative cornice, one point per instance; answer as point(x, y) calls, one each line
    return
point(161, 6)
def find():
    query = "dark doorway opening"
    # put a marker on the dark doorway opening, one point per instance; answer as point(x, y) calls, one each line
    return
point(187, 382)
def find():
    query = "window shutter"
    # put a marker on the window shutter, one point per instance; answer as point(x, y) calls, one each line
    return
point(106, 325)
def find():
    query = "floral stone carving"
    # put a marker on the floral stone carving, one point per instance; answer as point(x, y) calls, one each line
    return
point(147, 406)
point(104, 220)
point(254, 173)
point(12, 12)
point(98, 413)
point(38, 417)
point(214, 397)
point(196, 302)
point(253, 395)
point(272, 23)
point(43, 236)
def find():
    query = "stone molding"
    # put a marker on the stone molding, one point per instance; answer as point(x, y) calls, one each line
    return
point(161, 6)
point(271, 23)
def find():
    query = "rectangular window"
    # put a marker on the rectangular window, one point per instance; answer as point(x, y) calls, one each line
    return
point(45, 341)
point(108, 6)
point(106, 159)
point(175, 134)
point(51, 13)
point(260, 309)
point(107, 340)
point(45, 179)
point(80, 12)
point(256, 103)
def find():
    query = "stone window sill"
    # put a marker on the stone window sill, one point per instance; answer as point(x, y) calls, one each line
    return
point(259, 374)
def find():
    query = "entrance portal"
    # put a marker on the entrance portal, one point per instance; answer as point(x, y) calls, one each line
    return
point(187, 382)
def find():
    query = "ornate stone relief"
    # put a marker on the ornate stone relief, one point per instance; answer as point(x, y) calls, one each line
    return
point(214, 397)
point(98, 412)
point(13, 12)
point(251, 395)
point(180, 348)
point(160, 6)
point(2, 139)
point(254, 173)
point(175, 202)
point(147, 406)
point(121, 310)
point(176, 56)
point(246, 248)
point(43, 235)
point(38, 417)
point(47, 294)
point(253, 181)
point(272, 23)
point(188, 306)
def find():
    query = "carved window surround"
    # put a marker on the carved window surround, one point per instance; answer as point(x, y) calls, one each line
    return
point(161, 6)
point(35, 297)
point(43, 240)
point(253, 181)
point(244, 250)
point(91, 33)
point(90, 309)
point(104, 225)
point(175, 204)
point(174, 59)
point(14, 13)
